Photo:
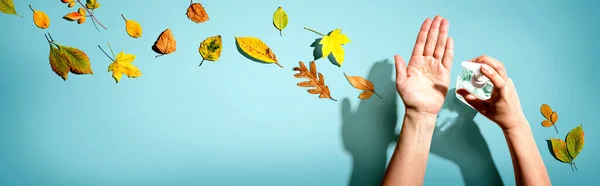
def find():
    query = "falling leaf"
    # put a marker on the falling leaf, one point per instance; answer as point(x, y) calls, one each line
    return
point(132, 27)
point(559, 149)
point(8, 7)
point(362, 84)
point(67, 1)
point(123, 65)
point(165, 44)
point(210, 49)
point(81, 21)
point(196, 13)
point(92, 4)
point(40, 19)
point(332, 44)
point(551, 117)
point(255, 48)
point(575, 141)
point(65, 59)
point(73, 16)
point(71, 4)
point(316, 80)
point(280, 20)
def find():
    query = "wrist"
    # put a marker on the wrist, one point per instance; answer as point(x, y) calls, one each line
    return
point(517, 123)
point(519, 126)
point(423, 121)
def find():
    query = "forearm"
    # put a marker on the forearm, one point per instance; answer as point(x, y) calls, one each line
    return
point(408, 163)
point(527, 162)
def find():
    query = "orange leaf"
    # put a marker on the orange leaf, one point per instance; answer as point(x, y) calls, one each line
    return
point(73, 16)
point(362, 84)
point(554, 117)
point(165, 44)
point(546, 111)
point(196, 13)
point(547, 123)
point(366, 95)
point(316, 80)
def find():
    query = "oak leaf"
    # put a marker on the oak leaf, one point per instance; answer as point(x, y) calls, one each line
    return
point(165, 44)
point(280, 20)
point(362, 84)
point(132, 28)
point(123, 65)
point(40, 19)
point(196, 13)
point(8, 7)
point(65, 59)
point(316, 80)
point(210, 49)
point(256, 50)
point(551, 116)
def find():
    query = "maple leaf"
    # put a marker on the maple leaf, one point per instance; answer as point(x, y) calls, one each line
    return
point(122, 65)
point(331, 44)
point(316, 80)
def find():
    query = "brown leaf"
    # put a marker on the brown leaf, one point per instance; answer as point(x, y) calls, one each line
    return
point(316, 80)
point(196, 13)
point(362, 84)
point(554, 117)
point(547, 123)
point(546, 111)
point(165, 44)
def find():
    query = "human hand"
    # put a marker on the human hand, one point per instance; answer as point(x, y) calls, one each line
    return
point(504, 107)
point(424, 83)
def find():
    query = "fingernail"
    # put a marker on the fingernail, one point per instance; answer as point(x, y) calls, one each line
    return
point(485, 68)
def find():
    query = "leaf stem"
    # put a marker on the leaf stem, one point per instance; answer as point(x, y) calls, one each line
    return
point(201, 62)
point(91, 14)
point(333, 99)
point(314, 31)
point(105, 53)
point(31, 8)
point(51, 41)
point(111, 51)
point(123, 17)
point(377, 95)
point(575, 166)
point(191, 2)
point(555, 128)
point(278, 64)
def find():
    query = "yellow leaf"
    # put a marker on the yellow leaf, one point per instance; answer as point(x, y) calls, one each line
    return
point(559, 150)
point(67, 1)
point(71, 4)
point(92, 4)
point(81, 11)
point(554, 117)
point(546, 111)
point(332, 44)
point(362, 84)
point(40, 19)
point(316, 80)
point(81, 21)
point(132, 28)
point(256, 50)
point(210, 48)
point(165, 44)
point(73, 16)
point(575, 141)
point(123, 65)
point(280, 20)
point(196, 13)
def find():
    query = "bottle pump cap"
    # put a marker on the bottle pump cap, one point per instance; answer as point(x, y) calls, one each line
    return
point(477, 79)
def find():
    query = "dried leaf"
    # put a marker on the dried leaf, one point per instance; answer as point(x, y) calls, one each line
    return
point(81, 21)
point(40, 19)
point(67, 1)
point(64, 59)
point(547, 123)
point(362, 84)
point(575, 141)
point(71, 4)
point(92, 4)
point(165, 44)
point(316, 80)
point(280, 20)
point(8, 7)
point(132, 28)
point(123, 65)
point(551, 117)
point(256, 50)
point(554, 117)
point(559, 149)
point(196, 13)
point(210, 49)
point(546, 111)
point(73, 16)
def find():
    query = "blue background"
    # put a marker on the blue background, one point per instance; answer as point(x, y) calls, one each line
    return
point(238, 122)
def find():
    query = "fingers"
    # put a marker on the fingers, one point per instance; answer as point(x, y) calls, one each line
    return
point(471, 99)
point(432, 37)
point(422, 38)
point(495, 64)
point(491, 74)
point(400, 69)
point(440, 46)
point(448, 54)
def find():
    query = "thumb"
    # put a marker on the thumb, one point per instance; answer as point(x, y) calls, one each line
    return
point(471, 99)
point(400, 69)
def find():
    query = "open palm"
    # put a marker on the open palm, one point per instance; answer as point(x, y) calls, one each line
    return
point(424, 82)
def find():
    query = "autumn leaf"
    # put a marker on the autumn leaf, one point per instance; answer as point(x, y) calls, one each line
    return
point(65, 59)
point(331, 44)
point(132, 28)
point(122, 64)
point(67, 1)
point(8, 7)
point(559, 150)
point(551, 117)
point(362, 84)
point(92, 4)
point(71, 4)
point(40, 19)
point(575, 141)
point(165, 44)
point(280, 20)
point(210, 49)
point(256, 50)
point(316, 80)
point(196, 13)
point(73, 16)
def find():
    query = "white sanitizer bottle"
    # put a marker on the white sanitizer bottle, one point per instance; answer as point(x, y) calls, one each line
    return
point(472, 80)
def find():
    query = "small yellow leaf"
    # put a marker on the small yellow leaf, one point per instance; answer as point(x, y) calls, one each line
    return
point(40, 19)
point(81, 11)
point(123, 65)
point(559, 150)
point(280, 20)
point(256, 49)
point(71, 4)
point(73, 16)
point(210, 48)
point(554, 117)
point(92, 4)
point(546, 111)
point(362, 84)
point(196, 13)
point(165, 44)
point(81, 21)
point(132, 28)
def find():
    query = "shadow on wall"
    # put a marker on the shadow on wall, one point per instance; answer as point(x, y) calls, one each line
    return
point(459, 140)
point(368, 131)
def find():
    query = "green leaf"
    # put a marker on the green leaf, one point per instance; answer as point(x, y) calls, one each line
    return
point(58, 62)
point(78, 61)
point(575, 141)
point(8, 7)
point(280, 20)
point(559, 150)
